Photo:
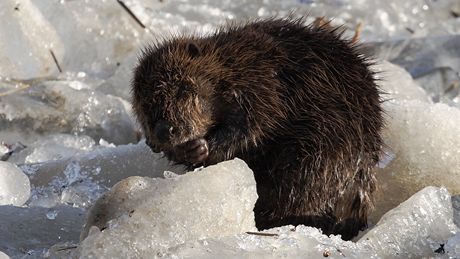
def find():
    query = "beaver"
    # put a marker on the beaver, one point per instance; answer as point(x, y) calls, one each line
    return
point(298, 103)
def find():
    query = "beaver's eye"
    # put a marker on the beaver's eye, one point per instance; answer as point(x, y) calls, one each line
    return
point(172, 131)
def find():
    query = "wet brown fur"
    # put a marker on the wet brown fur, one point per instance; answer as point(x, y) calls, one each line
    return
point(297, 103)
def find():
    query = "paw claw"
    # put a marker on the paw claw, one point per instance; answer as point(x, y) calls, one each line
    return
point(196, 151)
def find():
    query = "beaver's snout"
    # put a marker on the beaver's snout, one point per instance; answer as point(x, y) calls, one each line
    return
point(163, 131)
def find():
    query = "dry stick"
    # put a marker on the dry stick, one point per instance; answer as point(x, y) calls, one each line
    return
point(262, 234)
point(55, 60)
point(66, 248)
point(357, 35)
point(131, 13)
point(22, 86)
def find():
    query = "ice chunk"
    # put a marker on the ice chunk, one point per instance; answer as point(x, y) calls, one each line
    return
point(31, 37)
point(421, 135)
point(424, 138)
point(142, 216)
point(55, 107)
point(28, 232)
point(14, 185)
point(81, 179)
point(3, 255)
point(54, 147)
point(415, 228)
point(92, 37)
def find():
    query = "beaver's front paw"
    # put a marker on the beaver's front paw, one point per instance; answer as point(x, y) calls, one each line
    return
point(195, 151)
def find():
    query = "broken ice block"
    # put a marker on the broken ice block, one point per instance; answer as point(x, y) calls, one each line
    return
point(3, 255)
point(54, 147)
point(424, 139)
point(422, 136)
point(81, 179)
point(142, 216)
point(30, 36)
point(14, 185)
point(48, 37)
point(106, 166)
point(55, 107)
point(415, 228)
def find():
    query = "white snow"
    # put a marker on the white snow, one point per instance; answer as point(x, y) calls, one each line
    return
point(14, 185)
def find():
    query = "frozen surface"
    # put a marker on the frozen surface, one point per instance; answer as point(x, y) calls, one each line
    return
point(456, 206)
point(65, 118)
point(55, 147)
point(81, 179)
point(14, 185)
point(452, 248)
point(434, 62)
point(31, 231)
point(84, 36)
point(415, 228)
point(215, 201)
point(284, 242)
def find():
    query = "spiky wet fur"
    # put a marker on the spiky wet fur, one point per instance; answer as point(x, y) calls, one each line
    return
point(297, 103)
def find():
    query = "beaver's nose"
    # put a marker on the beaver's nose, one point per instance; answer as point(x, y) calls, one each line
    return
point(163, 131)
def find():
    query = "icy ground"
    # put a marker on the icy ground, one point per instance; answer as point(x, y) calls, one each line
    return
point(68, 136)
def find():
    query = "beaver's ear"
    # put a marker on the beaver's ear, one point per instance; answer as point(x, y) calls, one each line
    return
point(192, 49)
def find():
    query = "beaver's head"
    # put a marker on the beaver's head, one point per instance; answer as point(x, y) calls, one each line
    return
point(173, 97)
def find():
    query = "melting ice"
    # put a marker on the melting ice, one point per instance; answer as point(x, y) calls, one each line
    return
point(68, 136)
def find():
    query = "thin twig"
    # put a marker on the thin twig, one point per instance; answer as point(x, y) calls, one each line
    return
point(131, 13)
point(262, 234)
point(55, 61)
point(66, 248)
point(22, 86)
